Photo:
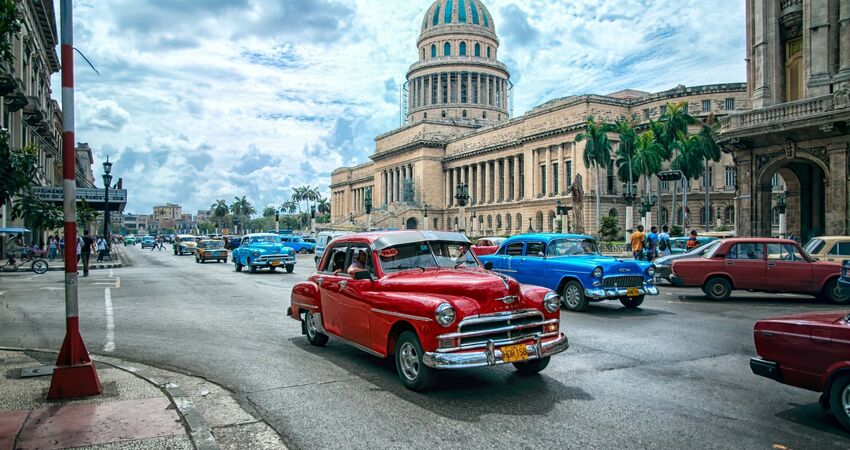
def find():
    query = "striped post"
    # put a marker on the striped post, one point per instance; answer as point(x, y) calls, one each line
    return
point(75, 374)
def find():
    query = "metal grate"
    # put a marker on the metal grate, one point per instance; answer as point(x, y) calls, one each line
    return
point(623, 282)
point(493, 328)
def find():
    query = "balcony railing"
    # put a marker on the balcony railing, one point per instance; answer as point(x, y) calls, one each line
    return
point(785, 112)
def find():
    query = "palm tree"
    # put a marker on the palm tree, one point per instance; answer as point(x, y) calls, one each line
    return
point(324, 206)
point(647, 158)
point(289, 207)
point(219, 211)
point(689, 160)
point(626, 150)
point(674, 124)
point(269, 211)
point(597, 151)
point(707, 145)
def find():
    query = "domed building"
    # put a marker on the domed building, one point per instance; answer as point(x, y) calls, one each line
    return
point(458, 133)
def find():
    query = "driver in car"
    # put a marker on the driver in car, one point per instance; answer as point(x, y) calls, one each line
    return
point(359, 265)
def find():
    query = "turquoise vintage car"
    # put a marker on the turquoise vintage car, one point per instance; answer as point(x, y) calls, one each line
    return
point(263, 251)
point(572, 266)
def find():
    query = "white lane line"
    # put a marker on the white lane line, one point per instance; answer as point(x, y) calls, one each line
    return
point(117, 282)
point(2, 292)
point(111, 273)
point(110, 322)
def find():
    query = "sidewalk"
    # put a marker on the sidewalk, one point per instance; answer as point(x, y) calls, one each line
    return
point(140, 407)
point(58, 265)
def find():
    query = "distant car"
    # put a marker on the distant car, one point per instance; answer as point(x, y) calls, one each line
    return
point(233, 242)
point(487, 246)
point(763, 265)
point(298, 244)
point(664, 264)
point(679, 245)
point(809, 351)
point(129, 240)
point(829, 248)
point(210, 250)
point(148, 242)
point(844, 281)
point(572, 266)
point(261, 251)
point(185, 244)
point(323, 239)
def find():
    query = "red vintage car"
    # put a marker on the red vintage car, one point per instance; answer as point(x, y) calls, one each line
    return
point(487, 246)
point(809, 351)
point(424, 299)
point(760, 264)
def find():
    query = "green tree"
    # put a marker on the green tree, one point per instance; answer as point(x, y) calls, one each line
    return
point(689, 159)
point(647, 158)
point(609, 229)
point(626, 150)
point(86, 215)
point(707, 146)
point(10, 25)
point(597, 151)
point(37, 213)
point(324, 206)
point(269, 211)
point(18, 168)
point(219, 211)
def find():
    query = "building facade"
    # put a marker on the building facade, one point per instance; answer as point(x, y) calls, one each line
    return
point(798, 54)
point(458, 129)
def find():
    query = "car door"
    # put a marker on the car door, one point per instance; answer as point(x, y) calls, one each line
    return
point(746, 265)
point(354, 302)
point(787, 270)
point(328, 281)
point(533, 265)
point(839, 252)
point(509, 261)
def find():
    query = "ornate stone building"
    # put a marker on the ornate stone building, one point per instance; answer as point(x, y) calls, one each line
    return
point(458, 129)
point(798, 54)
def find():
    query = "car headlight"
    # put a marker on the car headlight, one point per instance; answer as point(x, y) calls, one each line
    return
point(651, 271)
point(597, 272)
point(445, 314)
point(256, 254)
point(291, 251)
point(552, 302)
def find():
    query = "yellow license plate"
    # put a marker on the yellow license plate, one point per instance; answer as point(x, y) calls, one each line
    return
point(514, 353)
point(633, 292)
point(275, 263)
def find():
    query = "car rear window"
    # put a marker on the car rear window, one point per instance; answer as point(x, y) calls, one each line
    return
point(840, 249)
point(514, 249)
point(749, 251)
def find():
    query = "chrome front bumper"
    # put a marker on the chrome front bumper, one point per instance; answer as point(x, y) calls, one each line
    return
point(492, 356)
point(613, 293)
point(269, 262)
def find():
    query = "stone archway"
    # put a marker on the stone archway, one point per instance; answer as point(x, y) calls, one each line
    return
point(411, 224)
point(806, 198)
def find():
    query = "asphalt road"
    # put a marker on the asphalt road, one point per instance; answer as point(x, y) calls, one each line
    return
point(674, 374)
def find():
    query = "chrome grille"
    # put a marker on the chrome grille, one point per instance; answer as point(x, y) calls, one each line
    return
point(477, 331)
point(623, 282)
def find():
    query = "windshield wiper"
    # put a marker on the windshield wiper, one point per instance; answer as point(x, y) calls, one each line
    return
point(407, 267)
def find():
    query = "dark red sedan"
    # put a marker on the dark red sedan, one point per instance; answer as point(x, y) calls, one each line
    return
point(808, 351)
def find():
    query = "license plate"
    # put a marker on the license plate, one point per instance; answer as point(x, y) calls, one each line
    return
point(275, 263)
point(632, 292)
point(514, 353)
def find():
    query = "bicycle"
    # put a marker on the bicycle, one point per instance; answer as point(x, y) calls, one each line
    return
point(37, 264)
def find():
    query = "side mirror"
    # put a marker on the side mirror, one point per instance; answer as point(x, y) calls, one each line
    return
point(541, 254)
point(488, 265)
point(363, 275)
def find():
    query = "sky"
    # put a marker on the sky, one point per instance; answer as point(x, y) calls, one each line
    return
point(199, 100)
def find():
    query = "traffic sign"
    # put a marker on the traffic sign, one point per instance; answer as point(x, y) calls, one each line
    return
point(671, 175)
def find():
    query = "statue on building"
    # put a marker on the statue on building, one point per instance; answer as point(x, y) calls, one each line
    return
point(577, 191)
point(408, 194)
point(790, 149)
point(841, 97)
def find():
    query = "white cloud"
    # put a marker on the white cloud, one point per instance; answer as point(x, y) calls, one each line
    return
point(204, 100)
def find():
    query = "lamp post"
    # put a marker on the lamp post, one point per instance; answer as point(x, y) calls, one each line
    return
point(630, 195)
point(677, 175)
point(277, 221)
point(530, 230)
point(107, 181)
point(369, 209)
point(313, 219)
point(474, 220)
point(425, 211)
point(648, 202)
point(462, 198)
point(782, 206)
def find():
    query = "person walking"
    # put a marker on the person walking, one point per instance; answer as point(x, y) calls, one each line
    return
point(664, 242)
point(85, 248)
point(61, 241)
point(52, 246)
point(636, 240)
point(651, 243)
point(692, 240)
point(101, 248)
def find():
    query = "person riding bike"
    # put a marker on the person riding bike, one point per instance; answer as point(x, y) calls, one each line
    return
point(14, 248)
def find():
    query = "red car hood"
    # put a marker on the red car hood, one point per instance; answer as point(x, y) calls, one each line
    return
point(818, 318)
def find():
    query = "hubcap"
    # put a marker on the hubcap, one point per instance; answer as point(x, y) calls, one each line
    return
point(409, 360)
point(838, 294)
point(572, 296)
point(311, 326)
point(718, 289)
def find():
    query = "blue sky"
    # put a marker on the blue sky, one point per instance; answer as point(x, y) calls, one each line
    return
point(201, 100)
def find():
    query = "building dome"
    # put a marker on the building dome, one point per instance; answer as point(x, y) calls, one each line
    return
point(452, 13)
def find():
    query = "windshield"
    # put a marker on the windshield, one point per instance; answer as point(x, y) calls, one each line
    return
point(572, 247)
point(212, 244)
point(425, 255)
point(265, 240)
point(187, 239)
point(711, 249)
point(814, 246)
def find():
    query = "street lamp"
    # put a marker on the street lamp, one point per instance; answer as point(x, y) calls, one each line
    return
point(462, 198)
point(368, 209)
point(277, 221)
point(474, 219)
point(107, 181)
point(677, 175)
point(630, 195)
point(313, 219)
point(425, 210)
point(782, 207)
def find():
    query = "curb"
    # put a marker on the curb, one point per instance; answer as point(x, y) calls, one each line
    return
point(199, 430)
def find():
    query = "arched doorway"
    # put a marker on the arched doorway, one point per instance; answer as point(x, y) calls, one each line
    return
point(801, 182)
point(412, 224)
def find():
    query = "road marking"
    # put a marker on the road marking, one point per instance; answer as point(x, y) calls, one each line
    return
point(117, 282)
point(111, 273)
point(2, 292)
point(110, 321)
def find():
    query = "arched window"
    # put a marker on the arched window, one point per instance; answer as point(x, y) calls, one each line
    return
point(519, 222)
point(443, 114)
point(433, 50)
point(613, 212)
point(702, 216)
point(436, 224)
point(423, 54)
point(508, 223)
point(456, 223)
point(775, 216)
point(488, 52)
point(539, 224)
point(484, 115)
point(447, 49)
point(477, 50)
point(552, 221)
point(489, 222)
point(730, 215)
point(462, 51)
point(425, 116)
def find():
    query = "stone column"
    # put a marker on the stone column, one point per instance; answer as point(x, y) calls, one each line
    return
point(517, 177)
point(562, 167)
point(506, 179)
point(447, 186)
point(843, 42)
point(816, 47)
point(837, 219)
point(481, 197)
point(485, 182)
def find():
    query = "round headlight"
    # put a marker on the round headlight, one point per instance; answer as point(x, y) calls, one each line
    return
point(651, 271)
point(597, 272)
point(256, 254)
point(445, 314)
point(552, 302)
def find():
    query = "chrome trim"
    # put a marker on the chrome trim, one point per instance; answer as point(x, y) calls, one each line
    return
point(461, 335)
point(501, 342)
point(304, 305)
point(403, 316)
point(505, 270)
point(498, 317)
point(491, 356)
point(611, 293)
point(358, 346)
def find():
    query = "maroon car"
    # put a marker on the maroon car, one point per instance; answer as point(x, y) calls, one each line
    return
point(763, 265)
point(808, 351)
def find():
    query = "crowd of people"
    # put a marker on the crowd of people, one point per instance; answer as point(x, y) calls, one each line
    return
point(652, 245)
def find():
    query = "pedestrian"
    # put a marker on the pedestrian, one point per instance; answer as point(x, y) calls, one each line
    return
point(14, 247)
point(637, 239)
point(692, 240)
point(52, 246)
point(61, 246)
point(664, 241)
point(651, 244)
point(85, 251)
point(101, 248)
point(80, 243)
point(161, 243)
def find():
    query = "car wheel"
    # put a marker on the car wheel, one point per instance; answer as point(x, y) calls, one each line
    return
point(632, 302)
point(414, 374)
point(839, 400)
point(251, 268)
point(312, 332)
point(532, 367)
point(197, 260)
point(574, 299)
point(238, 266)
point(289, 269)
point(718, 289)
point(304, 251)
point(833, 293)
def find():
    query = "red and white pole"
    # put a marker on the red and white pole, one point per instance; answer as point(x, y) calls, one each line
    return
point(75, 374)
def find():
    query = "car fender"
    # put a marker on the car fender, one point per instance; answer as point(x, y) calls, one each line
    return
point(566, 278)
point(305, 297)
point(711, 275)
point(831, 374)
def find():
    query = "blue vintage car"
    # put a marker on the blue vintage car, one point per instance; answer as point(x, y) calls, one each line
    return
point(572, 266)
point(844, 281)
point(263, 251)
point(298, 244)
